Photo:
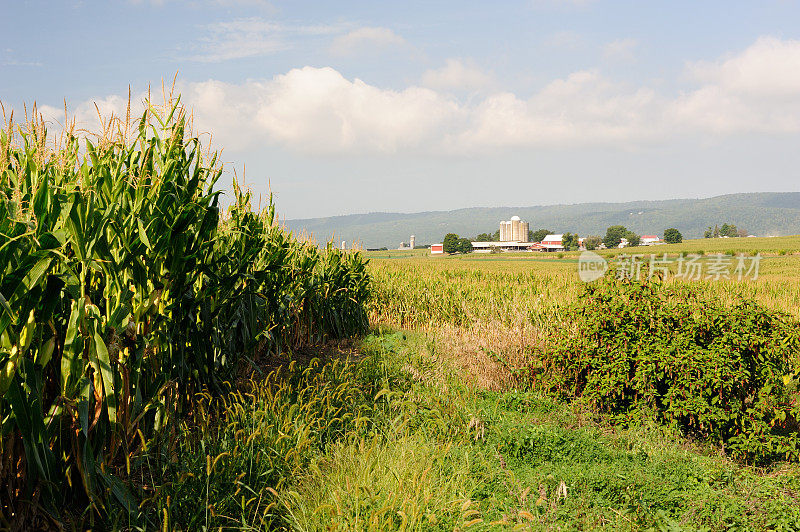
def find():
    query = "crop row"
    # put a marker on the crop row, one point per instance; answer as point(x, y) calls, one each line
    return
point(125, 290)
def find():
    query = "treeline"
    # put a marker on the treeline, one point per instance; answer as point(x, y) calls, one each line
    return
point(724, 231)
point(615, 235)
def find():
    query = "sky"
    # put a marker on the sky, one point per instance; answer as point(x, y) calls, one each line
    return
point(353, 107)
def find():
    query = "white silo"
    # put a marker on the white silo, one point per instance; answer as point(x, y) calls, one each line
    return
point(412, 241)
point(344, 245)
point(504, 231)
point(515, 223)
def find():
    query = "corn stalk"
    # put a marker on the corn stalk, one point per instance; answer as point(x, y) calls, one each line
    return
point(124, 291)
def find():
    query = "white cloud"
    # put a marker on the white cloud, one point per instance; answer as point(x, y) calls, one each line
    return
point(237, 39)
point(249, 37)
point(8, 57)
point(770, 67)
point(623, 50)
point(317, 110)
point(582, 109)
point(456, 74)
point(89, 114)
point(757, 90)
point(366, 39)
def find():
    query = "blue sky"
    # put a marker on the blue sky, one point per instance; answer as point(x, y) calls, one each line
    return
point(347, 107)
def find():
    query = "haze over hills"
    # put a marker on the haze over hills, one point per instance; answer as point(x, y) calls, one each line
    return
point(761, 214)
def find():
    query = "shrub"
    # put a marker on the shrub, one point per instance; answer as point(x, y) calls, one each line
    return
point(723, 374)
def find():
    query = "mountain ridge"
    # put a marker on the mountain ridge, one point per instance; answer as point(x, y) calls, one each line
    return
point(760, 213)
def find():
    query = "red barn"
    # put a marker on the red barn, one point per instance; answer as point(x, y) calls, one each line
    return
point(437, 249)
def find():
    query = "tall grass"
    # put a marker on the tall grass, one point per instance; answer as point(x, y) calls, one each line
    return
point(125, 290)
point(373, 484)
point(246, 448)
point(410, 294)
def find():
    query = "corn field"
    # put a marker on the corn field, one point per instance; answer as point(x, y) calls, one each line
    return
point(125, 290)
point(528, 290)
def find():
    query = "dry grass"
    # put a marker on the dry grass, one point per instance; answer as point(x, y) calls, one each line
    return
point(486, 354)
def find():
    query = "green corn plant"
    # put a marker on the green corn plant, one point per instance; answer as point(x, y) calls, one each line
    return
point(124, 290)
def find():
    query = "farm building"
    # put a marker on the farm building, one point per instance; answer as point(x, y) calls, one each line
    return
point(649, 240)
point(513, 237)
point(486, 247)
point(553, 243)
point(437, 249)
point(514, 230)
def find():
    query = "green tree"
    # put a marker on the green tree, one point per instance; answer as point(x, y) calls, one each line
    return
point(633, 239)
point(728, 230)
point(592, 242)
point(614, 235)
point(673, 236)
point(464, 245)
point(569, 241)
point(484, 237)
point(496, 236)
point(538, 235)
point(450, 243)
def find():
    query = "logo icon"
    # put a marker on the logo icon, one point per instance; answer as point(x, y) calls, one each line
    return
point(591, 266)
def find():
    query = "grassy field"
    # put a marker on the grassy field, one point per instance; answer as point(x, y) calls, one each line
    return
point(395, 438)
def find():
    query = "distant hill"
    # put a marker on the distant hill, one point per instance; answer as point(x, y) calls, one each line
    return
point(762, 214)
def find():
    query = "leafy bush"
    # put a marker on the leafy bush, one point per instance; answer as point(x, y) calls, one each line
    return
point(727, 375)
